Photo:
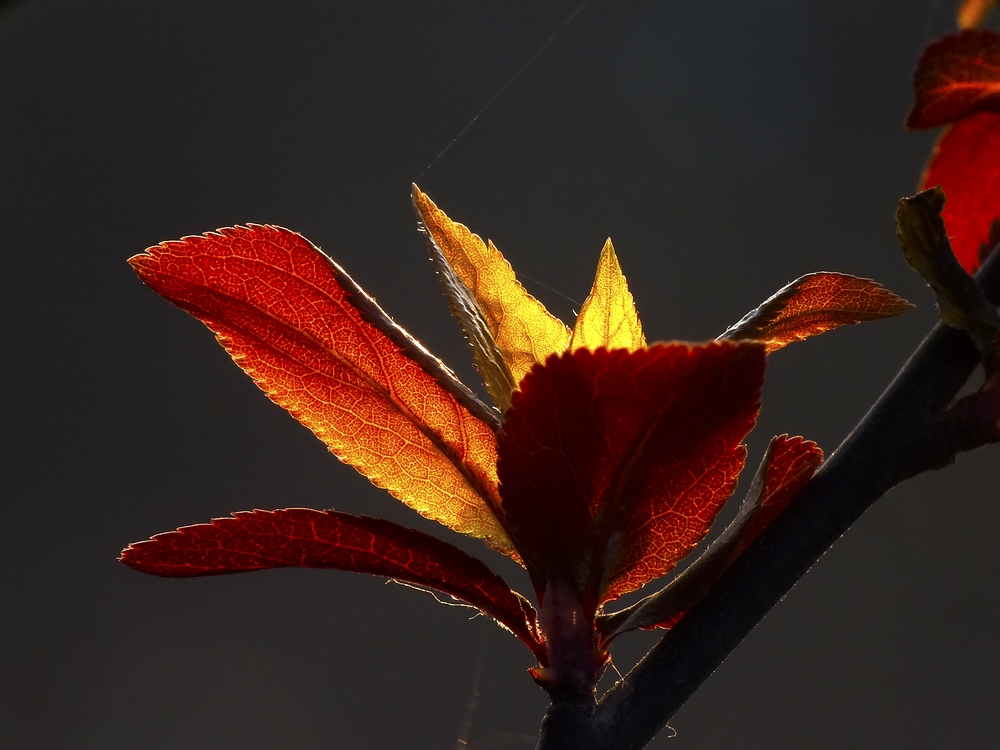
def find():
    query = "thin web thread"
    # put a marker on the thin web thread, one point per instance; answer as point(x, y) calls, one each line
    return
point(935, 4)
point(470, 709)
point(506, 86)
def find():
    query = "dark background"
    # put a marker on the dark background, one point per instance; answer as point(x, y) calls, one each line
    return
point(727, 146)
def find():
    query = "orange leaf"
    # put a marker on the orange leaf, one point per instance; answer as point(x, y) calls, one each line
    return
point(966, 164)
point(613, 464)
point(814, 304)
point(608, 317)
point(955, 77)
point(318, 346)
point(972, 13)
point(523, 330)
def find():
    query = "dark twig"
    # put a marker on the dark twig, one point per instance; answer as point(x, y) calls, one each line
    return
point(907, 432)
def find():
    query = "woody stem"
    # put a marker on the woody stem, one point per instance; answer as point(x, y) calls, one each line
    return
point(904, 434)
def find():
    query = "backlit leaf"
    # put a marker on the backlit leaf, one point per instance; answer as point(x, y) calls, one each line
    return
point(922, 235)
point(966, 163)
point(814, 304)
point(956, 76)
point(303, 538)
point(971, 13)
point(613, 464)
point(318, 346)
point(490, 362)
point(523, 330)
point(608, 317)
point(788, 465)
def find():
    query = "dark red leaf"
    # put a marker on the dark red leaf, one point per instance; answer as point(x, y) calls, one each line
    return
point(956, 76)
point(966, 163)
point(303, 538)
point(613, 464)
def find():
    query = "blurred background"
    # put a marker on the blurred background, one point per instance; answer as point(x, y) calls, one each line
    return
point(727, 147)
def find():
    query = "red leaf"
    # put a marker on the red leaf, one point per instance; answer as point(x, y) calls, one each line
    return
point(613, 464)
point(787, 466)
point(956, 76)
point(966, 163)
point(318, 346)
point(303, 538)
point(814, 304)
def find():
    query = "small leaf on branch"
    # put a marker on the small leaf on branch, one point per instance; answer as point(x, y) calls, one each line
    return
point(608, 317)
point(523, 331)
point(304, 538)
point(787, 467)
point(613, 464)
point(975, 419)
point(922, 235)
point(956, 76)
point(966, 163)
point(814, 304)
point(321, 348)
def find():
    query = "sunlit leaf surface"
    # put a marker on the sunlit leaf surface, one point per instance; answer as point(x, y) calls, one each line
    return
point(958, 81)
point(302, 538)
point(613, 464)
point(966, 163)
point(318, 346)
point(523, 330)
point(489, 360)
point(608, 317)
point(814, 304)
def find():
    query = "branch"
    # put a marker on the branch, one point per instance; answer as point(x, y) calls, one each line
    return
point(907, 432)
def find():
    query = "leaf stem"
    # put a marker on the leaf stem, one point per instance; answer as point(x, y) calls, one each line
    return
point(906, 432)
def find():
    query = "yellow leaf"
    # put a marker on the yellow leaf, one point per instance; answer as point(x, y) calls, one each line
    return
point(608, 317)
point(523, 331)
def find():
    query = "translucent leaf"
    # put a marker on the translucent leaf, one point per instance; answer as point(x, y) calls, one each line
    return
point(814, 304)
point(524, 332)
point(318, 346)
point(787, 467)
point(303, 538)
point(613, 464)
point(956, 76)
point(608, 317)
point(966, 164)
